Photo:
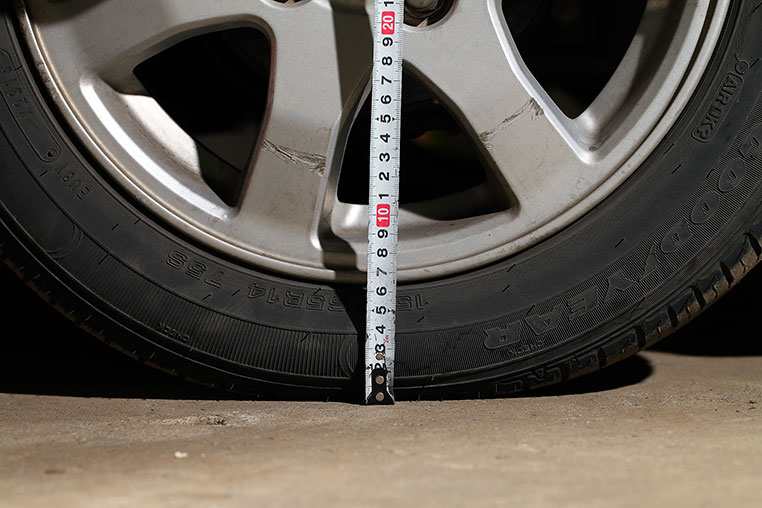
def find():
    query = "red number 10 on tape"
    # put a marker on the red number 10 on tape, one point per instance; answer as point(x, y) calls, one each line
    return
point(382, 216)
point(387, 23)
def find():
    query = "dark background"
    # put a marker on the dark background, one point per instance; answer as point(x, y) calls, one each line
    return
point(41, 352)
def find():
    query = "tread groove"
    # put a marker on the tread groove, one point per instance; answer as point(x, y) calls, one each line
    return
point(754, 244)
point(640, 334)
point(726, 272)
point(699, 296)
point(673, 317)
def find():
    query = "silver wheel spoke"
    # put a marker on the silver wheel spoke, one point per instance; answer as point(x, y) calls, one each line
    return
point(648, 73)
point(290, 192)
point(110, 37)
point(520, 131)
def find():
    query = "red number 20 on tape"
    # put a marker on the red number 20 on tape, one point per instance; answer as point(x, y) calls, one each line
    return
point(387, 23)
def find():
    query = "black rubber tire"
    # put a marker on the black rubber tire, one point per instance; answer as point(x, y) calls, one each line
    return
point(676, 236)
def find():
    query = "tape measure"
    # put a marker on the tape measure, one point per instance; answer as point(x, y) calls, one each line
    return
point(383, 201)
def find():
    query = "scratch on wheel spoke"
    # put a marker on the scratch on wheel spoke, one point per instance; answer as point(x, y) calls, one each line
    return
point(314, 162)
point(530, 107)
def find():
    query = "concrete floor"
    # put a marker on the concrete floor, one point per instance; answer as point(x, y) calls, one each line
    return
point(677, 427)
point(687, 435)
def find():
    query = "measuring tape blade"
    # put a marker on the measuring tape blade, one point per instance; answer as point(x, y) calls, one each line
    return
point(383, 201)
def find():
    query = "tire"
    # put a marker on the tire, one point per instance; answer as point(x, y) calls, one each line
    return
point(659, 250)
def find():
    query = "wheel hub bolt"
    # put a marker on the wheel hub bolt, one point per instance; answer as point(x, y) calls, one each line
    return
point(419, 10)
point(421, 4)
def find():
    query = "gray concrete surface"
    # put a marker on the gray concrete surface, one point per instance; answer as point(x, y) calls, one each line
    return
point(665, 429)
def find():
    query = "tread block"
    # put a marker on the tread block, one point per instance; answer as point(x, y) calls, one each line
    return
point(713, 285)
point(621, 346)
point(658, 326)
point(685, 307)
